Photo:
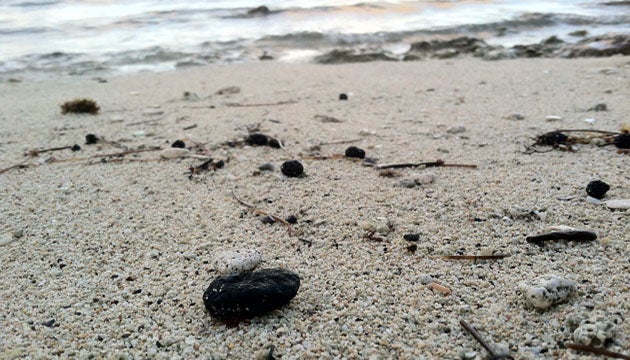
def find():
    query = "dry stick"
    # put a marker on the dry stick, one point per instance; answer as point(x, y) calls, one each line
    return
point(489, 349)
point(598, 351)
point(340, 142)
point(190, 127)
point(474, 257)
point(16, 166)
point(36, 152)
point(261, 212)
point(263, 104)
point(426, 164)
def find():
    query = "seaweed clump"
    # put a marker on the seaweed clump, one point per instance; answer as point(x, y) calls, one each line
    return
point(80, 106)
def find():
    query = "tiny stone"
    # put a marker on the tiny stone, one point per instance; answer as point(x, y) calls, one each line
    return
point(596, 331)
point(247, 294)
point(343, 96)
point(152, 112)
point(266, 167)
point(412, 237)
point(457, 129)
point(75, 147)
point(470, 355)
point(424, 179)
point(592, 200)
point(597, 189)
point(619, 204)
point(597, 142)
point(407, 183)
point(190, 96)
point(257, 139)
point(547, 290)
point(355, 152)
point(91, 139)
point(515, 116)
point(292, 168)
point(229, 90)
point(174, 153)
point(552, 118)
point(49, 323)
point(178, 144)
point(139, 134)
point(292, 219)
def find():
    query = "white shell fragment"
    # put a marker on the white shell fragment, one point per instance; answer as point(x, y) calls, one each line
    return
point(547, 290)
point(551, 118)
point(237, 261)
point(174, 153)
point(596, 330)
point(620, 204)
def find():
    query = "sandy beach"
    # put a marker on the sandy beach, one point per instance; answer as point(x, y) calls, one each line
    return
point(109, 256)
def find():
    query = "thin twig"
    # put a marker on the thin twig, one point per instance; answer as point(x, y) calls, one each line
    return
point(437, 163)
point(36, 152)
point(474, 257)
point(493, 354)
point(598, 351)
point(254, 210)
point(590, 130)
point(340, 142)
point(324, 157)
point(190, 127)
point(287, 102)
point(16, 166)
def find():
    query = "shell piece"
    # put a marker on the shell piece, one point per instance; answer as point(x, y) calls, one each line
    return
point(547, 290)
point(619, 204)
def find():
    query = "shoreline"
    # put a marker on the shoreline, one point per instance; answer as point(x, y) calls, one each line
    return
point(119, 253)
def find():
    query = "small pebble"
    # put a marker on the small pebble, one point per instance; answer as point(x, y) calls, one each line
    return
point(597, 189)
point(190, 96)
point(229, 90)
point(552, 118)
point(343, 96)
point(174, 153)
point(592, 200)
point(412, 248)
point(457, 129)
point(619, 204)
point(547, 290)
point(152, 112)
point(355, 152)
point(411, 237)
point(515, 116)
point(75, 147)
point(247, 294)
point(139, 134)
point(180, 144)
point(237, 261)
point(266, 167)
point(470, 355)
point(424, 179)
point(407, 183)
point(590, 120)
point(91, 139)
point(292, 168)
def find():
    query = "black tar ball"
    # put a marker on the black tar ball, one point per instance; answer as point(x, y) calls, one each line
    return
point(274, 143)
point(75, 147)
point(178, 144)
point(355, 152)
point(622, 141)
point(292, 219)
point(292, 168)
point(91, 139)
point(343, 96)
point(257, 139)
point(597, 189)
point(411, 237)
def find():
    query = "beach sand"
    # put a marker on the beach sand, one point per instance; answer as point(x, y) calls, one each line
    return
point(119, 252)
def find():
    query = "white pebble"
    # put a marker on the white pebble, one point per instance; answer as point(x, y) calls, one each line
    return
point(152, 112)
point(552, 118)
point(590, 120)
point(174, 153)
point(592, 200)
point(514, 116)
point(237, 261)
point(547, 290)
point(619, 204)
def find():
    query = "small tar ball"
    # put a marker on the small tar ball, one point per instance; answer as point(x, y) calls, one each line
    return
point(622, 141)
point(292, 168)
point(597, 189)
point(75, 147)
point(91, 139)
point(355, 152)
point(343, 96)
point(274, 143)
point(257, 139)
point(291, 219)
point(178, 144)
point(411, 237)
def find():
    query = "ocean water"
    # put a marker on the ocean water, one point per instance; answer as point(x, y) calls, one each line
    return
point(92, 36)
